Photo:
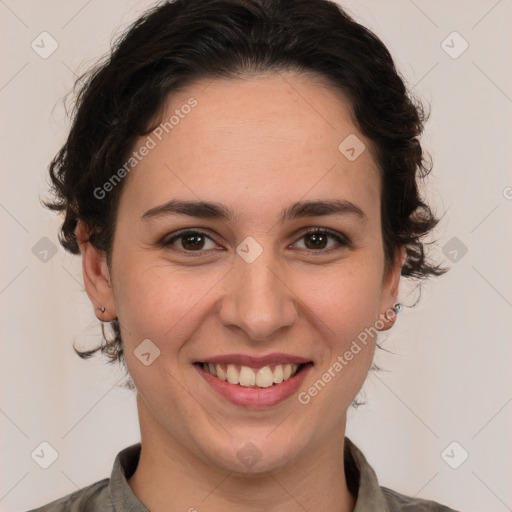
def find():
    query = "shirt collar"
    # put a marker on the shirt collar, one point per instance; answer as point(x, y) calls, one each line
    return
point(120, 493)
point(361, 480)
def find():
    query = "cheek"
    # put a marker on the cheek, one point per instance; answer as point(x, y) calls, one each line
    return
point(345, 298)
point(166, 304)
point(347, 310)
point(152, 303)
point(163, 307)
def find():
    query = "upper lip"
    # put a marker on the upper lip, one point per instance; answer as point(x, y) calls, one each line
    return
point(256, 361)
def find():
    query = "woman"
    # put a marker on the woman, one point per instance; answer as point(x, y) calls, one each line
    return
point(241, 180)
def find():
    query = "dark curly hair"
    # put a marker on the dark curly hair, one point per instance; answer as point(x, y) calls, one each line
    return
point(181, 41)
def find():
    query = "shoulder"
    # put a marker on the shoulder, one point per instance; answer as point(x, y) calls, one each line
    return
point(400, 503)
point(91, 498)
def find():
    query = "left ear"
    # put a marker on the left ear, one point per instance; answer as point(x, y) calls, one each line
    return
point(389, 292)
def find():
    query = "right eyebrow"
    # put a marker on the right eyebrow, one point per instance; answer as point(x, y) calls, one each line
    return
point(200, 209)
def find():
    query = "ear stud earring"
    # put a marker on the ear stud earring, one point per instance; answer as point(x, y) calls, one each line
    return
point(396, 308)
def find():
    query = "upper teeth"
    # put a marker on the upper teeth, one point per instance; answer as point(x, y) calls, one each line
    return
point(245, 376)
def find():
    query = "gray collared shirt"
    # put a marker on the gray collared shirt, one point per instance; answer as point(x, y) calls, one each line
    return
point(115, 495)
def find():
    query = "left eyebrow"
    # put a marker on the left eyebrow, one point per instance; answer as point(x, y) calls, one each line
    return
point(322, 208)
point(213, 210)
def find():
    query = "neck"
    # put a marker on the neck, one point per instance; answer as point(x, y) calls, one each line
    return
point(169, 478)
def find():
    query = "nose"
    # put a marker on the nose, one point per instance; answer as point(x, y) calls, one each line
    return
point(258, 299)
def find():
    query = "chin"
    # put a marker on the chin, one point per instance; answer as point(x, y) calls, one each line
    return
point(254, 454)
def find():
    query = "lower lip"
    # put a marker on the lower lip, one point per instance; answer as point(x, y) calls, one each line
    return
point(255, 397)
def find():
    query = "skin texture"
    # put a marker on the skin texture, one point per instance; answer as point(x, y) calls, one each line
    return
point(256, 145)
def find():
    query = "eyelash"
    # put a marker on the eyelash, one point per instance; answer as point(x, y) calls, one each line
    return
point(340, 239)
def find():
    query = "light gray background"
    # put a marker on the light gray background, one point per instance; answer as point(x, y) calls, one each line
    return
point(450, 377)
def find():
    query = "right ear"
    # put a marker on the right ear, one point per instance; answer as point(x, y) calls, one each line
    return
point(96, 276)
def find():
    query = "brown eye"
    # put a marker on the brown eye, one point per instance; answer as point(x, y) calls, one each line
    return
point(193, 242)
point(190, 241)
point(318, 240)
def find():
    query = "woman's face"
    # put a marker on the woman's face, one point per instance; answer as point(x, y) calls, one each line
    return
point(254, 284)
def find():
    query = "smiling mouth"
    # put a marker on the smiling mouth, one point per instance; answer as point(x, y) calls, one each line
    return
point(247, 377)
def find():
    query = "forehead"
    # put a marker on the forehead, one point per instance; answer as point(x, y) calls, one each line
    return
point(263, 140)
